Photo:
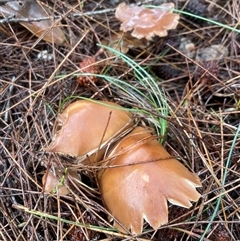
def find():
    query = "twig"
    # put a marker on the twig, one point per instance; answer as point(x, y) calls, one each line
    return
point(8, 101)
point(12, 19)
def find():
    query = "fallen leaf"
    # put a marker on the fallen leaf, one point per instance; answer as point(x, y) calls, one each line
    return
point(31, 9)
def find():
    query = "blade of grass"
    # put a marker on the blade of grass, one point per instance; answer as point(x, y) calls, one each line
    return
point(202, 18)
point(109, 231)
point(155, 98)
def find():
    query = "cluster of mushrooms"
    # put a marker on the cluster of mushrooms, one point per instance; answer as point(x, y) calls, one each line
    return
point(136, 175)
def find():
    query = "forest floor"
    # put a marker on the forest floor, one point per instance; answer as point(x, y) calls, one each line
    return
point(196, 68)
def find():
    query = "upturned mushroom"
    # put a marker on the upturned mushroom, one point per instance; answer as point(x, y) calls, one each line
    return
point(146, 22)
point(139, 178)
point(85, 128)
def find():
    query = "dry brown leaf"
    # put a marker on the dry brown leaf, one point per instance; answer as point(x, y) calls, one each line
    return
point(145, 22)
point(31, 9)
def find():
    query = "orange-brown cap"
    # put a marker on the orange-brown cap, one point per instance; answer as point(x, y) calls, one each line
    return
point(146, 22)
point(86, 127)
point(150, 176)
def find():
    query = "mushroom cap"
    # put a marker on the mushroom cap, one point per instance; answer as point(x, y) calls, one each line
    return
point(85, 127)
point(146, 22)
point(146, 178)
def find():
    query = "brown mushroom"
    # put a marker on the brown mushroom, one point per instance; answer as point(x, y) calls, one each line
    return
point(122, 42)
point(52, 183)
point(86, 127)
point(146, 22)
point(146, 177)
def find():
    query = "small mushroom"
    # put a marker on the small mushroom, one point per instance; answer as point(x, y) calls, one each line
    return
point(85, 128)
point(146, 22)
point(52, 183)
point(122, 42)
point(145, 176)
